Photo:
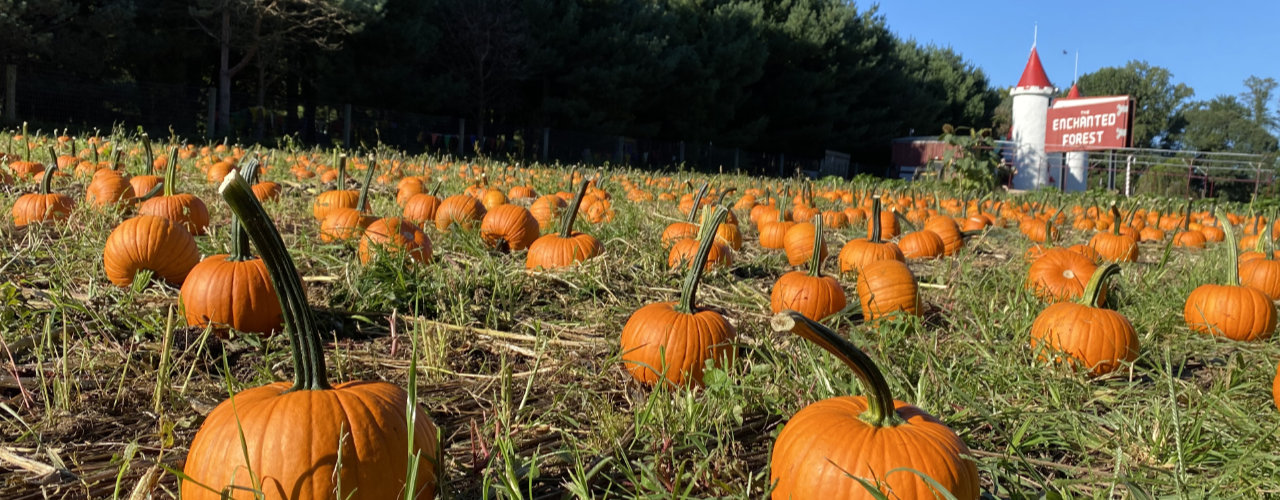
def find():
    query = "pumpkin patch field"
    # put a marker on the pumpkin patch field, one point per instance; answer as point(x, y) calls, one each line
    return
point(217, 321)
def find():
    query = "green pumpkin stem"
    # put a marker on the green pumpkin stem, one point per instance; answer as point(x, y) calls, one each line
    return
point(1233, 274)
point(239, 237)
point(875, 219)
point(706, 238)
point(1186, 221)
point(697, 202)
point(571, 213)
point(1097, 283)
point(1116, 219)
point(342, 171)
point(880, 405)
point(151, 159)
point(46, 180)
point(171, 173)
point(724, 194)
point(299, 321)
point(436, 189)
point(362, 203)
point(815, 260)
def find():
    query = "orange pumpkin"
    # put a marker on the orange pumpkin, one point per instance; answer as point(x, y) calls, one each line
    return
point(812, 294)
point(1233, 311)
point(859, 252)
point(508, 228)
point(886, 288)
point(394, 236)
point(152, 243)
point(44, 205)
point(1059, 274)
point(1098, 339)
point(568, 247)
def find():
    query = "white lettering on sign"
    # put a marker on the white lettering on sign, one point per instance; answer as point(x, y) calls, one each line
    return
point(1086, 121)
point(1082, 138)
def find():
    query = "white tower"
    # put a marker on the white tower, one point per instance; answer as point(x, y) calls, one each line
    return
point(1030, 109)
point(1077, 171)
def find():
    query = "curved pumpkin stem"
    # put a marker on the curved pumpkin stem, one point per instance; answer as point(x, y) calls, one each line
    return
point(875, 219)
point(146, 147)
point(240, 238)
point(697, 202)
point(362, 203)
point(1116, 219)
point(1233, 276)
point(46, 181)
point(706, 238)
point(815, 260)
point(171, 173)
point(880, 408)
point(299, 320)
point(436, 189)
point(571, 214)
point(1097, 283)
point(724, 194)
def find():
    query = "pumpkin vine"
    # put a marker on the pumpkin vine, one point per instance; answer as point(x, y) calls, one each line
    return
point(697, 202)
point(706, 238)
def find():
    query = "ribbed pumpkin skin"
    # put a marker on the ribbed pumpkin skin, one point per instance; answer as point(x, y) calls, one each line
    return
point(546, 209)
point(858, 253)
point(677, 231)
point(421, 209)
point(344, 224)
point(730, 235)
point(551, 251)
point(1098, 339)
point(683, 252)
point(149, 242)
point(886, 287)
point(1060, 274)
point(36, 207)
point(1189, 239)
point(143, 184)
point(658, 337)
point(266, 191)
point(946, 229)
point(1235, 312)
point(330, 200)
point(293, 443)
point(461, 210)
point(825, 443)
point(816, 297)
point(797, 242)
point(1115, 248)
point(1263, 275)
point(108, 188)
point(510, 223)
point(888, 225)
point(773, 234)
point(923, 244)
point(394, 236)
point(230, 293)
point(183, 208)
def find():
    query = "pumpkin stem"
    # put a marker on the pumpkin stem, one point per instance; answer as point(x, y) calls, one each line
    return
point(240, 238)
point(880, 405)
point(436, 189)
point(342, 171)
point(815, 260)
point(115, 158)
point(697, 202)
point(725, 194)
point(1186, 221)
point(299, 320)
point(1233, 276)
point(171, 173)
point(1097, 283)
point(362, 203)
point(875, 219)
point(1116, 219)
point(146, 147)
point(571, 214)
point(706, 238)
point(46, 180)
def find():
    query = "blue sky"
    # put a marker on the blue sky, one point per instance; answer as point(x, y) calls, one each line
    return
point(1211, 46)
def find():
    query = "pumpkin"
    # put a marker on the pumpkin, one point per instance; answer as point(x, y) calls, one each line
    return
point(393, 236)
point(946, 229)
point(462, 210)
point(861, 447)
point(508, 228)
point(568, 247)
point(1233, 311)
point(546, 208)
point(183, 208)
point(1059, 274)
point(152, 243)
point(862, 251)
point(1189, 238)
point(108, 188)
point(1098, 339)
point(677, 231)
point(812, 294)
point(773, 230)
point(421, 208)
point(887, 287)
point(798, 242)
point(348, 223)
point(364, 426)
point(1114, 246)
point(44, 205)
point(672, 341)
point(1263, 271)
point(232, 290)
point(922, 244)
point(337, 198)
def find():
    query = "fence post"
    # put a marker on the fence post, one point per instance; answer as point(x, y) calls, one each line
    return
point(11, 92)
point(1128, 175)
point(735, 159)
point(462, 137)
point(546, 143)
point(346, 126)
point(211, 119)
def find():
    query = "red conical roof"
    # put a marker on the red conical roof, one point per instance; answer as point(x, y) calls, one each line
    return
point(1074, 93)
point(1033, 75)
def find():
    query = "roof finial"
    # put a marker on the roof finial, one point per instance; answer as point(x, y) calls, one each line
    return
point(1034, 35)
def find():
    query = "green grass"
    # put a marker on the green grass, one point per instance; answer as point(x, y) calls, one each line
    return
point(521, 369)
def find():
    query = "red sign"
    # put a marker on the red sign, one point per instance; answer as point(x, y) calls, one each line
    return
point(1089, 123)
